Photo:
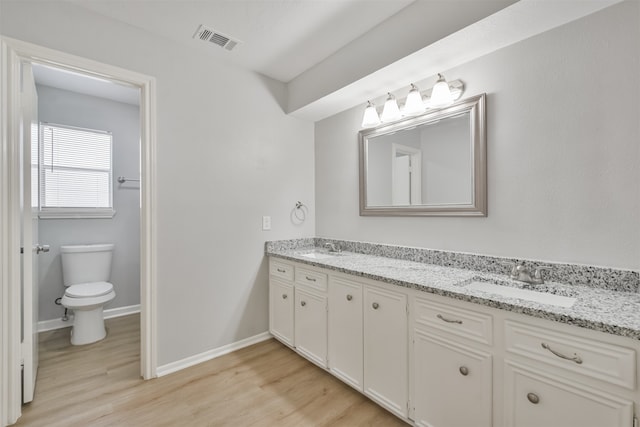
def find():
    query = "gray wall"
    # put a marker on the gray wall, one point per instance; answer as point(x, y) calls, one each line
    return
point(226, 155)
point(446, 162)
point(563, 152)
point(123, 120)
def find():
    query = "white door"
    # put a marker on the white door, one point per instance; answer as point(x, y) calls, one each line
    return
point(401, 189)
point(534, 400)
point(452, 383)
point(406, 175)
point(386, 377)
point(29, 236)
point(281, 311)
point(345, 330)
point(310, 326)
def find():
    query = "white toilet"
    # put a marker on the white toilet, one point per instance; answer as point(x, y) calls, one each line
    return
point(86, 270)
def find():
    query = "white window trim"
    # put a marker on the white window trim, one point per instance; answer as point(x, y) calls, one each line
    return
point(76, 213)
point(73, 212)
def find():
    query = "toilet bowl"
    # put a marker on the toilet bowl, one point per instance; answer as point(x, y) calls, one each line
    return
point(86, 270)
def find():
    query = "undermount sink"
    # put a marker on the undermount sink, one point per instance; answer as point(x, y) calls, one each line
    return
point(523, 294)
point(320, 255)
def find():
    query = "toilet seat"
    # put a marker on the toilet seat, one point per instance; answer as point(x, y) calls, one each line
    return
point(89, 290)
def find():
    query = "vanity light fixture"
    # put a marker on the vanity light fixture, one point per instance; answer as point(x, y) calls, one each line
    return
point(441, 94)
point(370, 118)
point(390, 112)
point(414, 104)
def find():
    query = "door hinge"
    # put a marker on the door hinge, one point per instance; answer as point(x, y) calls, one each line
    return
point(21, 250)
point(635, 421)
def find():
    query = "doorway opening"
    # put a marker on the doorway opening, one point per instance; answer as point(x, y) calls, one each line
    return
point(18, 250)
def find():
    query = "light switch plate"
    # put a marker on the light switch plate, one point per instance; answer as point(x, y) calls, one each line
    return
point(266, 223)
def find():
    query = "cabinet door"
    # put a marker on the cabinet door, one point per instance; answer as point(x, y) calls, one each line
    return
point(385, 349)
point(311, 326)
point(345, 331)
point(452, 383)
point(535, 400)
point(281, 310)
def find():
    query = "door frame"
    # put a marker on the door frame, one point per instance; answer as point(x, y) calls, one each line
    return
point(415, 155)
point(13, 52)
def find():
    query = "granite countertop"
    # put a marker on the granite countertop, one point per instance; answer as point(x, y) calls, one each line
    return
point(599, 309)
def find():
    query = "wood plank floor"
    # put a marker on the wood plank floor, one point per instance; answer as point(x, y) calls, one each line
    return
point(266, 384)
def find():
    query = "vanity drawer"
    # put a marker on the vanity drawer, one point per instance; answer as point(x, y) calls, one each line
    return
point(311, 278)
point(591, 358)
point(281, 269)
point(455, 320)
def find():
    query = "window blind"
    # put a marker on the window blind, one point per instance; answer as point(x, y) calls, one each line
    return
point(75, 168)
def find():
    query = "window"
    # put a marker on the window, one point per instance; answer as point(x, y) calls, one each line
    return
point(75, 172)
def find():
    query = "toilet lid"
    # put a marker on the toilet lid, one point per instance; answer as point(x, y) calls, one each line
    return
point(87, 290)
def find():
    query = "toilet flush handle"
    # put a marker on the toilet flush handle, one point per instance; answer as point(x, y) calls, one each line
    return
point(42, 248)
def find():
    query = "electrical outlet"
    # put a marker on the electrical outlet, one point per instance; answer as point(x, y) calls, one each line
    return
point(266, 223)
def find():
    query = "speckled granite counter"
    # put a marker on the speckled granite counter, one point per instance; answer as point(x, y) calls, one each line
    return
point(598, 308)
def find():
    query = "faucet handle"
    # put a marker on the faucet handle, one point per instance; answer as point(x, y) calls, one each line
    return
point(537, 274)
point(514, 268)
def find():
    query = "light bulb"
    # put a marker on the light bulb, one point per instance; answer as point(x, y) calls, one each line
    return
point(414, 105)
point(370, 118)
point(390, 112)
point(441, 94)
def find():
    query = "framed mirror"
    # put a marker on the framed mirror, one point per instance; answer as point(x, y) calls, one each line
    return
point(434, 164)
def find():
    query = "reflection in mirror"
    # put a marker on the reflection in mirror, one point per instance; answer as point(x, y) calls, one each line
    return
point(433, 164)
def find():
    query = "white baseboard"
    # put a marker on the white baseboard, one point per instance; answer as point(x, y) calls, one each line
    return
point(211, 354)
point(50, 325)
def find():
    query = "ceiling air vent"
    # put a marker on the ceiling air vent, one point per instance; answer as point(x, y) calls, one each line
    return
point(209, 35)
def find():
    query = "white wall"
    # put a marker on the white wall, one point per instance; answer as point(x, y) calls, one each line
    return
point(563, 152)
point(227, 154)
point(123, 121)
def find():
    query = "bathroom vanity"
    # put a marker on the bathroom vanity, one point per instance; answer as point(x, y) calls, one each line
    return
point(421, 341)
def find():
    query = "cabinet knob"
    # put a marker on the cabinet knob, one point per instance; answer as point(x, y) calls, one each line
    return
point(303, 303)
point(533, 398)
point(349, 297)
point(284, 296)
point(375, 305)
point(464, 370)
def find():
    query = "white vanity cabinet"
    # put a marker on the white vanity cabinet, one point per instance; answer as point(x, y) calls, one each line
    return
point(568, 378)
point(533, 398)
point(440, 362)
point(310, 314)
point(281, 301)
point(311, 326)
point(346, 330)
point(451, 370)
point(386, 348)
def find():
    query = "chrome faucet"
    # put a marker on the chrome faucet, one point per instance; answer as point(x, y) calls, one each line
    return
point(332, 247)
point(523, 274)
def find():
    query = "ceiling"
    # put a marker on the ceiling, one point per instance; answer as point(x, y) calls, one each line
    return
point(85, 84)
point(279, 38)
point(335, 54)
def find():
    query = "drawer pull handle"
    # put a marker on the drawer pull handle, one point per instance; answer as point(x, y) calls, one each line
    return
point(303, 303)
point(375, 305)
point(464, 371)
point(441, 317)
point(533, 398)
point(280, 270)
point(311, 279)
point(284, 296)
point(349, 297)
point(575, 357)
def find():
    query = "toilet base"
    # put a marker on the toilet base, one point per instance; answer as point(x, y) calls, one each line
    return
point(88, 326)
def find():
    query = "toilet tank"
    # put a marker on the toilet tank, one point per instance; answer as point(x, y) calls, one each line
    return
point(86, 263)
